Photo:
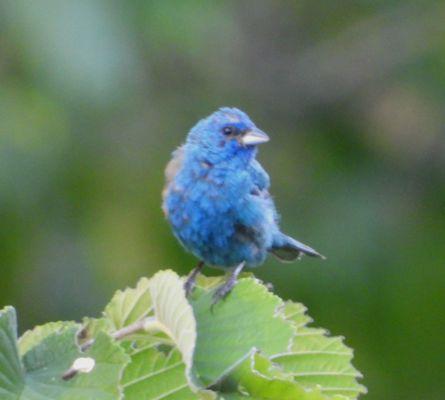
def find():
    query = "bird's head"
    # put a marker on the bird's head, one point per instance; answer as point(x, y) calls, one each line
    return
point(226, 133)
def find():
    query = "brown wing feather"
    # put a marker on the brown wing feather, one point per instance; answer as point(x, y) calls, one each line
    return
point(173, 166)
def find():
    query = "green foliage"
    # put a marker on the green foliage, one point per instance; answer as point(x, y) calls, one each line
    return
point(152, 343)
point(154, 374)
point(47, 352)
point(234, 329)
point(316, 359)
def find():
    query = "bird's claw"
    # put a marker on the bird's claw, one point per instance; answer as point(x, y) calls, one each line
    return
point(220, 294)
point(189, 285)
point(226, 288)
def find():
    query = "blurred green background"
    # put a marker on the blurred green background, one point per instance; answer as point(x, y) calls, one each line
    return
point(94, 96)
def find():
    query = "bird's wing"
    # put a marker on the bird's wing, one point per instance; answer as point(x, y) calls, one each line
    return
point(283, 247)
point(259, 176)
point(260, 188)
point(173, 167)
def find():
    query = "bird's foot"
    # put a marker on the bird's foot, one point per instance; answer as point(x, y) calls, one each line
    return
point(190, 283)
point(226, 287)
point(222, 291)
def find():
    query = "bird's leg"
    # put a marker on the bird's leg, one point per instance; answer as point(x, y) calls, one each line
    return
point(226, 287)
point(190, 283)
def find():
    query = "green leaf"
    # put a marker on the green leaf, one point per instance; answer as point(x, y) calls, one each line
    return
point(11, 370)
point(315, 359)
point(173, 312)
point(203, 346)
point(48, 352)
point(248, 319)
point(163, 299)
point(157, 370)
point(258, 378)
point(32, 338)
point(46, 362)
point(153, 374)
point(103, 381)
point(129, 305)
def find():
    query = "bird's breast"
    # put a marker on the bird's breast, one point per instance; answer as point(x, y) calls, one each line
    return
point(204, 199)
point(214, 214)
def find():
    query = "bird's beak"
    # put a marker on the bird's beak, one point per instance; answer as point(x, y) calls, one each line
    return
point(254, 136)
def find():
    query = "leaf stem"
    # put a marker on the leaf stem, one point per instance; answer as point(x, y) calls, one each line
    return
point(145, 324)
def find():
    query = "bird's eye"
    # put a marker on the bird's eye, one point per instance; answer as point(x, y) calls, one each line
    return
point(228, 130)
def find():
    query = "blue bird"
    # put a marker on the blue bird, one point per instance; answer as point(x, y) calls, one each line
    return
point(217, 199)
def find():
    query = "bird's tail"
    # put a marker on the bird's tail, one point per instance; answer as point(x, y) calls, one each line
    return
point(288, 249)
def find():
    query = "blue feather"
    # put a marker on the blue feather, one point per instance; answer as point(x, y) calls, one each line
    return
point(216, 196)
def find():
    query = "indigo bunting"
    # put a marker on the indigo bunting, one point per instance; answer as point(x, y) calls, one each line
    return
point(217, 199)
